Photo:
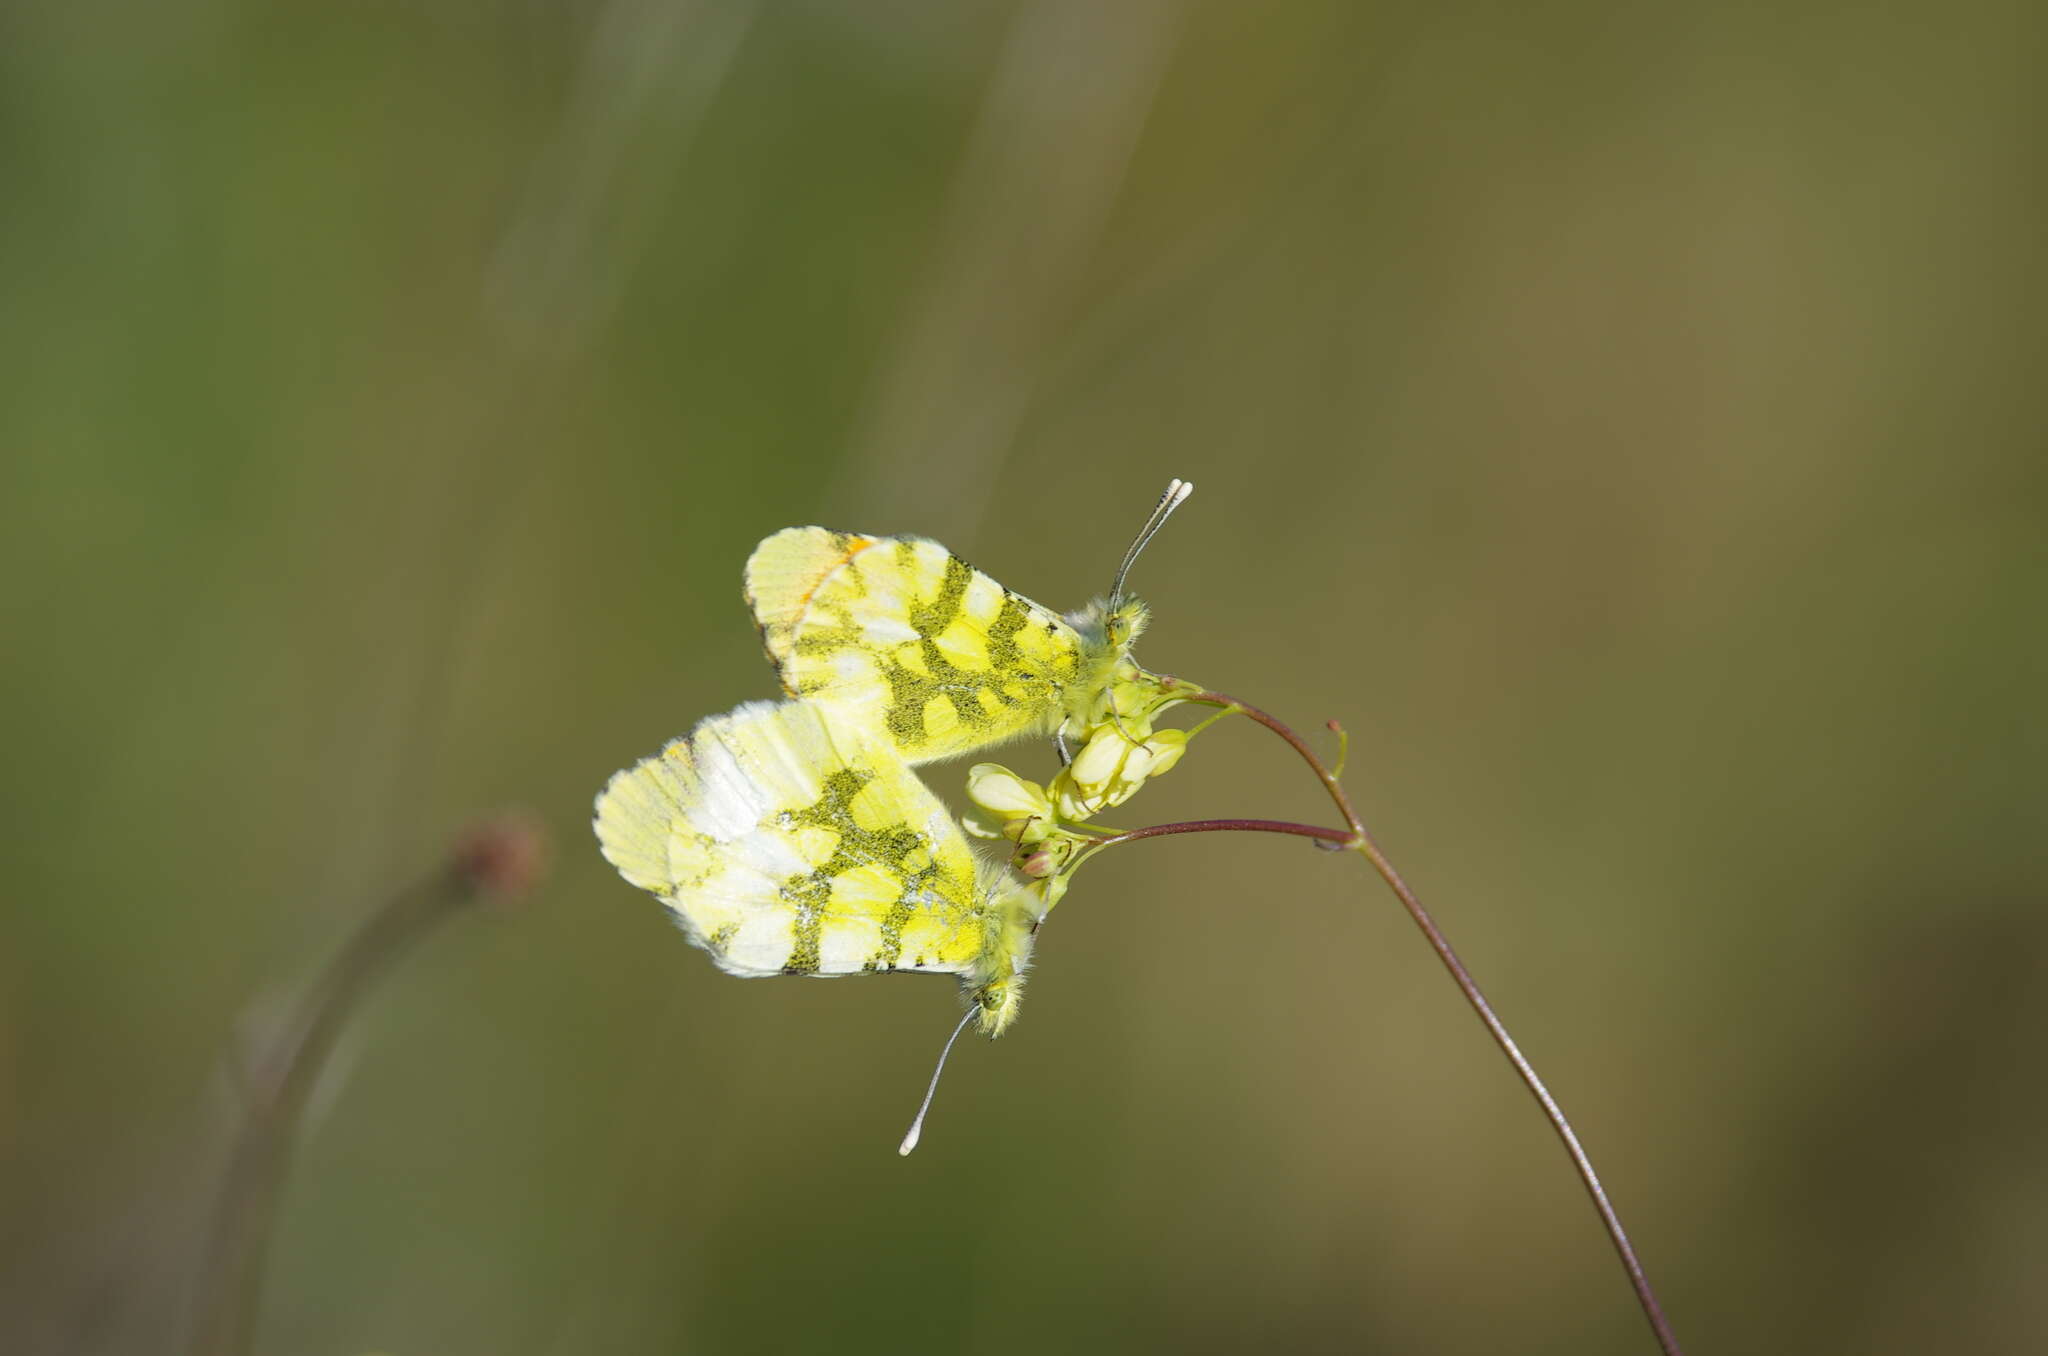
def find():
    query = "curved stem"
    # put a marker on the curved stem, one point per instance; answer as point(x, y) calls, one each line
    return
point(1360, 841)
point(1637, 1278)
point(496, 859)
point(1286, 732)
point(1333, 837)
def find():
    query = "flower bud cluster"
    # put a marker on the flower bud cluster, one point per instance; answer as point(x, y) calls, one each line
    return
point(1118, 756)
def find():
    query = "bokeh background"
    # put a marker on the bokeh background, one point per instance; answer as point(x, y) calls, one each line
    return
point(1627, 419)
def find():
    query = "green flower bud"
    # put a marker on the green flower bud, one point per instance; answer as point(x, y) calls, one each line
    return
point(1004, 794)
point(1102, 759)
point(1111, 767)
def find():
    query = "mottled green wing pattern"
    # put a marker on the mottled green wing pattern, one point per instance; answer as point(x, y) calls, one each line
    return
point(786, 845)
point(900, 636)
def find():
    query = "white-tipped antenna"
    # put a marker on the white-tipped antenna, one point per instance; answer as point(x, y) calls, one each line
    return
point(1176, 494)
point(917, 1126)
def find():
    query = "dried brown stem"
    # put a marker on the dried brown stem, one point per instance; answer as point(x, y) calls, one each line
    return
point(499, 858)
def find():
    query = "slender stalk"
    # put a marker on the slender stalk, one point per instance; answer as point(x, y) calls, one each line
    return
point(498, 858)
point(1356, 838)
point(1337, 838)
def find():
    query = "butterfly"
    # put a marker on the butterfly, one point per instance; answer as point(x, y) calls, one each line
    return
point(793, 838)
point(899, 636)
point(789, 844)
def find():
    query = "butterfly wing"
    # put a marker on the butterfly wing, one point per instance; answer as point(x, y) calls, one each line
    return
point(788, 846)
point(901, 637)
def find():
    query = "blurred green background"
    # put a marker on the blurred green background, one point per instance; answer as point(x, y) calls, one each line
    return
point(1627, 419)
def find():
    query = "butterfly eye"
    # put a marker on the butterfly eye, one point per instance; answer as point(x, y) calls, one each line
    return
point(1124, 623)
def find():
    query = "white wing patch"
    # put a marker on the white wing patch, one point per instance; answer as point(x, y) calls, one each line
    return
point(787, 846)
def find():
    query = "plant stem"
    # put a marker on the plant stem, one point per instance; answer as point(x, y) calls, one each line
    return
point(1357, 839)
point(1332, 837)
point(498, 858)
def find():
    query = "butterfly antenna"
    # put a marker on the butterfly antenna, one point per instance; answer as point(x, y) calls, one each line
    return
point(917, 1126)
point(1176, 494)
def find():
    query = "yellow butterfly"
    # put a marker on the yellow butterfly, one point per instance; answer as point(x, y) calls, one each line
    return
point(788, 844)
point(901, 637)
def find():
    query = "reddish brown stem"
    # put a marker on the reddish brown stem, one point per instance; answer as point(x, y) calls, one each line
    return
point(1358, 839)
point(1333, 837)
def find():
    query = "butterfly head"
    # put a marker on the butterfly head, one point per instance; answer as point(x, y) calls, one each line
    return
point(1110, 625)
point(995, 1004)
